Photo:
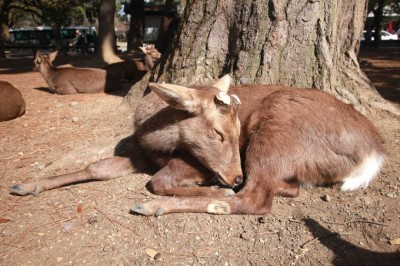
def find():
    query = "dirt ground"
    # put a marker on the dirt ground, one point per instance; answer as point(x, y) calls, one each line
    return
point(90, 223)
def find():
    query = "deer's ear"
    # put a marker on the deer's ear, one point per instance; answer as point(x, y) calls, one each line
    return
point(179, 97)
point(143, 49)
point(38, 58)
point(223, 83)
point(52, 56)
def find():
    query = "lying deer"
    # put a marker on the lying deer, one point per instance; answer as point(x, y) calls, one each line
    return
point(12, 104)
point(68, 80)
point(151, 55)
point(134, 70)
point(192, 138)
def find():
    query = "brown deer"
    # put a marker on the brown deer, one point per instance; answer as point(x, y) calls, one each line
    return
point(12, 104)
point(69, 80)
point(134, 70)
point(151, 55)
point(193, 138)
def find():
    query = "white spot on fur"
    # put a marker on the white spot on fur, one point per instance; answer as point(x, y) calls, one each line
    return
point(219, 207)
point(363, 173)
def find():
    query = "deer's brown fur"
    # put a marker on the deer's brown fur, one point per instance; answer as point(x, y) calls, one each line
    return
point(12, 104)
point(191, 139)
point(134, 70)
point(69, 80)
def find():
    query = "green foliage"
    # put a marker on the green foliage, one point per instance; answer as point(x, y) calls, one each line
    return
point(394, 5)
point(55, 13)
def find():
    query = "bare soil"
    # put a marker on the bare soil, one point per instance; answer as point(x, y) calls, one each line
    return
point(90, 223)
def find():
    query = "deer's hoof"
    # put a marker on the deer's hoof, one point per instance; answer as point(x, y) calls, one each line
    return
point(148, 209)
point(23, 190)
point(20, 190)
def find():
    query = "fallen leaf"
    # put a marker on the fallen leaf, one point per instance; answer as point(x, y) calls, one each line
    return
point(395, 241)
point(79, 208)
point(4, 220)
point(151, 252)
point(304, 250)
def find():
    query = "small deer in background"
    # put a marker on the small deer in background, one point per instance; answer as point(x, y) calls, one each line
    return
point(134, 70)
point(68, 80)
point(12, 104)
point(194, 138)
point(151, 55)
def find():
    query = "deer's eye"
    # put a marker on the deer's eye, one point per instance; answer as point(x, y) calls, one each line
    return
point(219, 134)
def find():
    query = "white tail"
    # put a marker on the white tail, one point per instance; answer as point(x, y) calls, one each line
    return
point(362, 175)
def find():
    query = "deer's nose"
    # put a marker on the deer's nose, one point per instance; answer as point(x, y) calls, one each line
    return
point(238, 181)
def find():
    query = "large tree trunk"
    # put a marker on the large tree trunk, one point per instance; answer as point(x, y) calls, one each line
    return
point(136, 28)
point(305, 43)
point(4, 38)
point(4, 26)
point(165, 21)
point(107, 44)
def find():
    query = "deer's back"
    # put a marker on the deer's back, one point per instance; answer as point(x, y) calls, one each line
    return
point(82, 80)
point(130, 70)
point(306, 132)
point(12, 103)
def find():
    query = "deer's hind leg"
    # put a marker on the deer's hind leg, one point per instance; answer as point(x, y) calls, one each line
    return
point(288, 188)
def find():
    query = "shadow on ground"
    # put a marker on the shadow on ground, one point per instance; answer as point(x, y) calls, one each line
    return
point(382, 66)
point(345, 252)
point(23, 64)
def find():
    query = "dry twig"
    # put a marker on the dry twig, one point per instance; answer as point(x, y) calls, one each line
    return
point(116, 222)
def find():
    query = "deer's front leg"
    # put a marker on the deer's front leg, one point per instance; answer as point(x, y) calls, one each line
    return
point(186, 178)
point(253, 199)
point(102, 170)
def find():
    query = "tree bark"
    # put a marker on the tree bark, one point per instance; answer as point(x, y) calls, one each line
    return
point(4, 38)
point(4, 25)
point(164, 26)
point(107, 40)
point(136, 27)
point(305, 43)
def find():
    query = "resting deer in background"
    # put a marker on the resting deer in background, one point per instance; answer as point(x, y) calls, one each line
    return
point(192, 138)
point(151, 55)
point(68, 80)
point(134, 70)
point(12, 104)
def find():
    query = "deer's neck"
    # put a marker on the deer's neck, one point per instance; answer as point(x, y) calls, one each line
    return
point(157, 125)
point(149, 62)
point(48, 72)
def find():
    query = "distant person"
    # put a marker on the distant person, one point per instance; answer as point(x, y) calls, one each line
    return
point(91, 43)
point(368, 37)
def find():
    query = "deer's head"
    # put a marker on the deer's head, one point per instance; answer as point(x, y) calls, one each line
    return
point(44, 61)
point(211, 134)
